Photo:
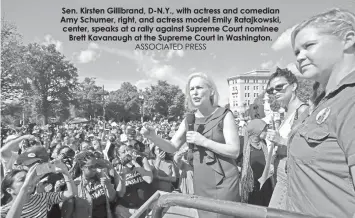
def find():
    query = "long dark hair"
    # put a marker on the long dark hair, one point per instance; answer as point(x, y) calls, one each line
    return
point(168, 156)
point(69, 153)
point(7, 183)
point(79, 162)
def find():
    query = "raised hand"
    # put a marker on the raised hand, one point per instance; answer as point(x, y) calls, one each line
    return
point(147, 131)
point(273, 136)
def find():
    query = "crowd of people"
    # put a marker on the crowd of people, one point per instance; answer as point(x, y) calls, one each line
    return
point(303, 163)
point(108, 164)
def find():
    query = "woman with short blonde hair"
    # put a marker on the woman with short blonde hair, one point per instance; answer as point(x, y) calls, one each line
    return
point(321, 147)
point(214, 141)
point(210, 84)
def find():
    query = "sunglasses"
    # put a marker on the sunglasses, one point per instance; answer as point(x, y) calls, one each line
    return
point(278, 88)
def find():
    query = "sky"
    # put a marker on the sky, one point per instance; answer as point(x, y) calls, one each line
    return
point(113, 63)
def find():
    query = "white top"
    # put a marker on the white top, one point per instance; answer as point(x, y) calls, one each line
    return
point(285, 127)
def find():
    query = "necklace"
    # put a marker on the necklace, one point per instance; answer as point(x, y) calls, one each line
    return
point(208, 115)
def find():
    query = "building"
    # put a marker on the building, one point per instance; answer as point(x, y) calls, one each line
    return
point(244, 88)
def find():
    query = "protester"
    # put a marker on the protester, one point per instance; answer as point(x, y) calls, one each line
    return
point(321, 158)
point(9, 152)
point(283, 85)
point(139, 176)
point(216, 142)
point(185, 165)
point(95, 187)
point(255, 153)
point(163, 170)
point(20, 199)
point(132, 140)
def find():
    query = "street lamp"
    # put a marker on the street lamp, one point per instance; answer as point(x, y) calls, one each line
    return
point(104, 96)
point(141, 97)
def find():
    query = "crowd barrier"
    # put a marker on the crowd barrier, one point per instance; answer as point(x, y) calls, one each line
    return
point(161, 201)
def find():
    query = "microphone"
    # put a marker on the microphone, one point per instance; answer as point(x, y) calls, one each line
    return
point(190, 119)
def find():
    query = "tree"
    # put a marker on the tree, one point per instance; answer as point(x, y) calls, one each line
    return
point(13, 63)
point(89, 99)
point(12, 114)
point(178, 108)
point(116, 110)
point(260, 99)
point(305, 89)
point(53, 79)
point(274, 104)
point(128, 96)
point(256, 110)
point(165, 100)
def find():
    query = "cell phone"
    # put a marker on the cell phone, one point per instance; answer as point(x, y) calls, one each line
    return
point(45, 168)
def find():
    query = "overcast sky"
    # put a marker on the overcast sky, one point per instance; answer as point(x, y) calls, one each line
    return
point(112, 63)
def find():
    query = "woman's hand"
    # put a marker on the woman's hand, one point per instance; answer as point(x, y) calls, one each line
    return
point(170, 170)
point(195, 138)
point(31, 177)
point(60, 167)
point(58, 185)
point(274, 137)
point(160, 156)
point(60, 156)
point(183, 150)
point(135, 164)
point(105, 181)
point(147, 131)
point(122, 170)
point(30, 137)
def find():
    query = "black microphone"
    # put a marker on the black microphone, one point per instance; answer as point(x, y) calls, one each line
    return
point(190, 120)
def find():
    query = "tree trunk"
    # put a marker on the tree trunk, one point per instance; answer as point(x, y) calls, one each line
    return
point(45, 110)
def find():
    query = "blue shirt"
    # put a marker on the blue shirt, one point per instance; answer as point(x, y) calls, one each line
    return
point(321, 152)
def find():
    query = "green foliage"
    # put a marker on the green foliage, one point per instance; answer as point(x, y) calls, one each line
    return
point(88, 99)
point(305, 89)
point(38, 83)
point(274, 105)
point(260, 99)
point(53, 79)
point(126, 99)
point(125, 103)
point(165, 100)
point(13, 63)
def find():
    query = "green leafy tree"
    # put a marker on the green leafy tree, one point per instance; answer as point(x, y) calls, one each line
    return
point(53, 79)
point(260, 99)
point(165, 100)
point(12, 114)
point(305, 89)
point(128, 96)
point(256, 110)
point(88, 99)
point(116, 110)
point(178, 108)
point(14, 68)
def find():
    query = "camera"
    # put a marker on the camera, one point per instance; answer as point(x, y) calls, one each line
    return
point(125, 160)
point(45, 168)
point(112, 138)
